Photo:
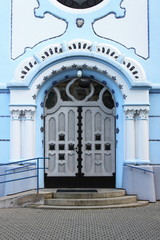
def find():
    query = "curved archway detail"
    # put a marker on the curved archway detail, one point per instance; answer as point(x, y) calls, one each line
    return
point(28, 99)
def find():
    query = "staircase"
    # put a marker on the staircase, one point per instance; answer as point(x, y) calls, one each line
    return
point(89, 199)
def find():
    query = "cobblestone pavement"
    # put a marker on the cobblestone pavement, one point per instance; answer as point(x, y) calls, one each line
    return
point(125, 223)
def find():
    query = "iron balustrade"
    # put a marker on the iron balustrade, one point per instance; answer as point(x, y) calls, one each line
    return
point(138, 168)
point(21, 167)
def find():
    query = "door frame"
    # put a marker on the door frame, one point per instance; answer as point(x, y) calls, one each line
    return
point(79, 180)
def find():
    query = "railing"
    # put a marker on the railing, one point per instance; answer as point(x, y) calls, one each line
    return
point(22, 167)
point(138, 168)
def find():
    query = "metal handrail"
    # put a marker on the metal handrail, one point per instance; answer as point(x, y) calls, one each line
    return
point(23, 160)
point(26, 165)
point(138, 168)
point(20, 167)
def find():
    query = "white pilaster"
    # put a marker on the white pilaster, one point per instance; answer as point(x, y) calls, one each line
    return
point(142, 139)
point(129, 135)
point(15, 144)
point(29, 135)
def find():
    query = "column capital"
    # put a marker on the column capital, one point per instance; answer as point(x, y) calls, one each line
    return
point(16, 114)
point(142, 113)
point(29, 114)
point(130, 113)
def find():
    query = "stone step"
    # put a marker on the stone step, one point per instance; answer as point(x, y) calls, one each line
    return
point(91, 202)
point(126, 205)
point(109, 193)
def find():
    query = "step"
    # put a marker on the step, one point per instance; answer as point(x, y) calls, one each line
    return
point(126, 205)
point(101, 193)
point(91, 202)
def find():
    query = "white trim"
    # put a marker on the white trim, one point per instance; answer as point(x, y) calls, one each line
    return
point(85, 48)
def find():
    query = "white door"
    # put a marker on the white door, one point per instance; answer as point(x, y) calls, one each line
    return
point(79, 130)
point(61, 142)
point(98, 142)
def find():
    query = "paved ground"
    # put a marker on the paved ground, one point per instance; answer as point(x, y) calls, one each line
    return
point(125, 224)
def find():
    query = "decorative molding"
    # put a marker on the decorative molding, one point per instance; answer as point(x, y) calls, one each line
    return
point(79, 44)
point(79, 22)
point(139, 113)
point(83, 45)
point(29, 114)
point(25, 112)
point(49, 51)
point(16, 114)
point(25, 67)
point(83, 65)
point(142, 113)
point(130, 114)
point(108, 50)
point(135, 69)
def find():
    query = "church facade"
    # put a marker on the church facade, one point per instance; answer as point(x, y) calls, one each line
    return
point(80, 86)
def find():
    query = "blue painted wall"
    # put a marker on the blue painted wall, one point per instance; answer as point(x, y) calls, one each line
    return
point(154, 123)
point(8, 65)
point(4, 126)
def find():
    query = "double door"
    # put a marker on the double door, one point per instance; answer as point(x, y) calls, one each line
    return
point(80, 141)
point(79, 134)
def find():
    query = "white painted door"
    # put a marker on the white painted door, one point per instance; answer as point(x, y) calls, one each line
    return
point(80, 131)
point(61, 142)
point(98, 142)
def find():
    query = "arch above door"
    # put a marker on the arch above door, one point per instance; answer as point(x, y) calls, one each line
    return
point(129, 92)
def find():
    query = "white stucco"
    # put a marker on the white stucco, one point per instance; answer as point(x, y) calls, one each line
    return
point(27, 30)
point(134, 25)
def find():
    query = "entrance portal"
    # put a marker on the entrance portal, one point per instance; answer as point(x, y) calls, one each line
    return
point(79, 135)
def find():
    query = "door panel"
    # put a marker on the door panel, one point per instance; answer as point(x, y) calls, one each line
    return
point(61, 142)
point(97, 142)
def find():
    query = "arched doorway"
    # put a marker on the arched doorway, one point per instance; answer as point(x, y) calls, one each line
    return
point(79, 135)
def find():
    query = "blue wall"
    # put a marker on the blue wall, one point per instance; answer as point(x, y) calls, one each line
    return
point(5, 126)
point(154, 123)
point(8, 65)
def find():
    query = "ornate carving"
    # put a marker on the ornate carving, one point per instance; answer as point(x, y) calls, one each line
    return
point(142, 113)
point(130, 113)
point(79, 44)
point(108, 50)
point(16, 114)
point(25, 67)
point(50, 50)
point(29, 114)
point(79, 22)
point(137, 113)
point(135, 69)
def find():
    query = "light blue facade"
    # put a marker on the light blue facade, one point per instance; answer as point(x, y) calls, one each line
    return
point(44, 43)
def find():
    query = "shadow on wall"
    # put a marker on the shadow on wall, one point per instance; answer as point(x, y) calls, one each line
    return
point(143, 184)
